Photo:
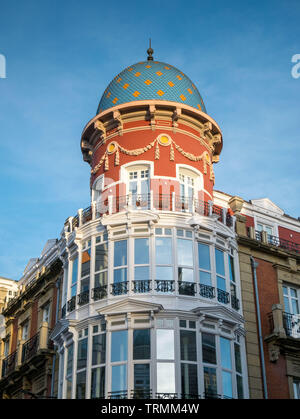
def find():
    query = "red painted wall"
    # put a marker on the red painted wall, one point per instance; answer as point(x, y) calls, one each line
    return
point(162, 166)
point(290, 235)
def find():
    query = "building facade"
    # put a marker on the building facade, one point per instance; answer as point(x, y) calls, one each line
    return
point(269, 259)
point(163, 287)
point(27, 357)
point(151, 298)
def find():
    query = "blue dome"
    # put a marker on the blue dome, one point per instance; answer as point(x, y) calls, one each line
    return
point(151, 80)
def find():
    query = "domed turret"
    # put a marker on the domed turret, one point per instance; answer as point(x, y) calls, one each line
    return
point(151, 80)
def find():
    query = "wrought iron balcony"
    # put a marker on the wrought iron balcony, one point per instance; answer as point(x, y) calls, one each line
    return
point(122, 394)
point(274, 240)
point(235, 303)
point(163, 285)
point(100, 292)
point(141, 286)
point(9, 364)
point(207, 291)
point(186, 288)
point(71, 304)
point(119, 288)
point(30, 348)
point(141, 393)
point(222, 296)
point(166, 396)
point(83, 298)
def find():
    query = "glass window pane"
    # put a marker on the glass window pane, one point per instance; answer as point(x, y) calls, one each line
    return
point(141, 376)
point(70, 352)
point(101, 256)
point(185, 274)
point(227, 384)
point(231, 268)
point(204, 257)
point(209, 348)
point(120, 253)
point(141, 273)
point(165, 377)
point(163, 250)
point(239, 384)
point(120, 275)
point(165, 344)
point(286, 305)
point(189, 379)
point(220, 262)
point(98, 383)
point(225, 347)
point(119, 346)
point(85, 262)
point(73, 291)
point(74, 271)
point(99, 349)
point(80, 385)
point(141, 251)
point(205, 278)
point(101, 279)
point(82, 353)
point(85, 285)
point(118, 378)
point(164, 273)
point(293, 293)
point(141, 344)
point(185, 252)
point(295, 307)
point(144, 187)
point(210, 382)
point(221, 283)
point(237, 355)
point(188, 345)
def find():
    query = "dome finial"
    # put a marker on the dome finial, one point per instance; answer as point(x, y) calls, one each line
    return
point(150, 52)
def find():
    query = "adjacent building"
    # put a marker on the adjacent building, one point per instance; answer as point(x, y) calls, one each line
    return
point(269, 259)
point(27, 356)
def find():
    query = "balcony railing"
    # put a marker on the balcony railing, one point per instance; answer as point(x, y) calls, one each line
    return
point(186, 288)
point(160, 202)
point(100, 292)
point(207, 291)
point(71, 305)
point(159, 286)
point(30, 348)
point(9, 364)
point(119, 288)
point(141, 286)
point(274, 241)
point(83, 298)
point(235, 303)
point(223, 296)
point(148, 394)
point(164, 286)
point(291, 324)
point(118, 394)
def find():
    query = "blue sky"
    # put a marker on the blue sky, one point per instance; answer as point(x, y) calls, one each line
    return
point(61, 55)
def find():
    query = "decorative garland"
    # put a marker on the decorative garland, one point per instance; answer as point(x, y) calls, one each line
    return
point(115, 147)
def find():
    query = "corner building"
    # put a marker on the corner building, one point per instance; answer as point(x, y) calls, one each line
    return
point(151, 300)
